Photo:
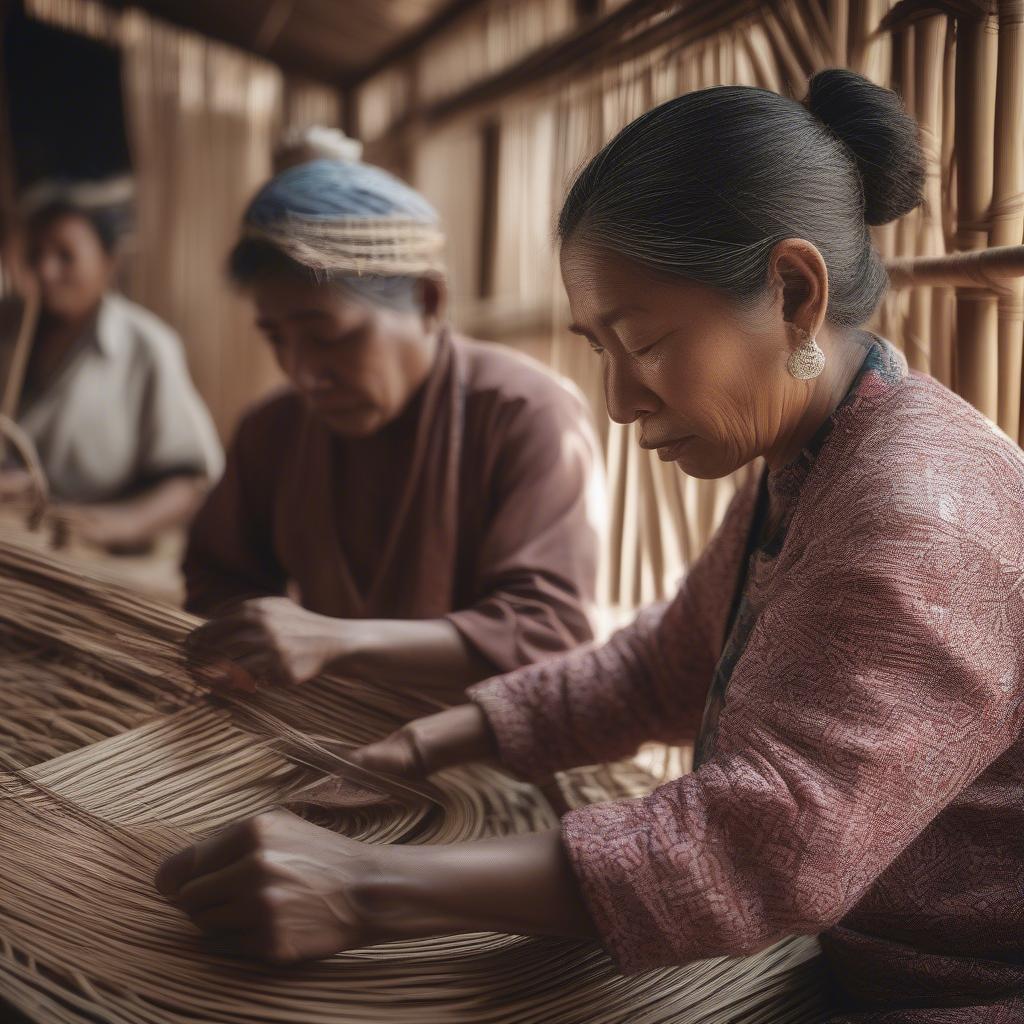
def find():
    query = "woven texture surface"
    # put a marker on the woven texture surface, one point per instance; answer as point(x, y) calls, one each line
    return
point(140, 761)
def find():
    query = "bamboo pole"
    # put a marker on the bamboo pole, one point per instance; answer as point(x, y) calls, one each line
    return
point(909, 230)
point(991, 270)
point(18, 363)
point(839, 24)
point(927, 60)
point(944, 299)
point(1007, 216)
point(977, 341)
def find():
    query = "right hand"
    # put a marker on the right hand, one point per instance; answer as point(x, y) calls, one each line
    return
point(425, 745)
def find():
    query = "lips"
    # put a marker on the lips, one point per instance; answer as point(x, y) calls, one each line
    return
point(328, 408)
point(669, 450)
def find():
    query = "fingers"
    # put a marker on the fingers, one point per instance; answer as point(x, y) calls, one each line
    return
point(222, 885)
point(210, 855)
point(453, 736)
point(238, 665)
point(239, 651)
point(397, 754)
point(273, 887)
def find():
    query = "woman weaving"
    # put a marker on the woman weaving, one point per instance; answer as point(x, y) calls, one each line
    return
point(853, 686)
point(428, 501)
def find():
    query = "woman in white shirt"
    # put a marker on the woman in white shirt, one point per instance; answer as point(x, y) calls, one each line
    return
point(127, 444)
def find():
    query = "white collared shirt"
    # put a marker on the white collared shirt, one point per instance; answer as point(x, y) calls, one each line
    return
point(123, 412)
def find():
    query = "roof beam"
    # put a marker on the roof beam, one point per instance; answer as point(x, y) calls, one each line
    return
point(410, 43)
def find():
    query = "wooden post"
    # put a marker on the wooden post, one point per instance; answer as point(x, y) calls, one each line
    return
point(1007, 217)
point(927, 61)
point(977, 341)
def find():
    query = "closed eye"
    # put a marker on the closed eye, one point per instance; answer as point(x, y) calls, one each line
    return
point(589, 338)
point(647, 348)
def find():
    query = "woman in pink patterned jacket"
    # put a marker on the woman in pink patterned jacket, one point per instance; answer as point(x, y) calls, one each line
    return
point(846, 654)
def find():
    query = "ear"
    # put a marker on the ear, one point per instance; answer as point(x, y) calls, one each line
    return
point(799, 276)
point(433, 297)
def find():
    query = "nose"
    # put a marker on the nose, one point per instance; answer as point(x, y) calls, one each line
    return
point(308, 373)
point(48, 270)
point(627, 397)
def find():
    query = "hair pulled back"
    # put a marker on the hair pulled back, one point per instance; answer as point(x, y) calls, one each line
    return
point(705, 185)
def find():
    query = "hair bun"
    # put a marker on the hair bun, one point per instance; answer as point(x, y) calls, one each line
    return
point(883, 138)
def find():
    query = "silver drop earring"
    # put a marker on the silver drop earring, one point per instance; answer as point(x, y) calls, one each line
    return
point(808, 360)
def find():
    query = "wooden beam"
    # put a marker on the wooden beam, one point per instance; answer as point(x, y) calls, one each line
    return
point(979, 268)
point(410, 43)
point(616, 37)
point(272, 24)
point(220, 30)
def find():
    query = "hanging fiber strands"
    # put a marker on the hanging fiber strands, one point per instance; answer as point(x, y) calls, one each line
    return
point(84, 936)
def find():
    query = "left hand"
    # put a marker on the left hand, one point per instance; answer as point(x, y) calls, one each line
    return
point(273, 640)
point(276, 887)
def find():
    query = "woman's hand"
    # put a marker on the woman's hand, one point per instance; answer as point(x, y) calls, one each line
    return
point(272, 640)
point(276, 888)
point(425, 745)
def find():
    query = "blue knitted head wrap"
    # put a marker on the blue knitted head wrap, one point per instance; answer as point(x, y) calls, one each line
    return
point(335, 189)
point(350, 223)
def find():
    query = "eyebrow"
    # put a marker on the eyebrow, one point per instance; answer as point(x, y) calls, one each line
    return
point(611, 317)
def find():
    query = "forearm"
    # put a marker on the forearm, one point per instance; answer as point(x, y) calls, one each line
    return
point(520, 885)
point(172, 502)
point(137, 520)
point(429, 653)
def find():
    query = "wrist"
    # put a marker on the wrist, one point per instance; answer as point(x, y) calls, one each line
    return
point(403, 893)
point(351, 644)
point(458, 735)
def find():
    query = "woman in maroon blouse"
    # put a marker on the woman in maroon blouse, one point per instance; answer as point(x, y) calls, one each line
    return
point(415, 505)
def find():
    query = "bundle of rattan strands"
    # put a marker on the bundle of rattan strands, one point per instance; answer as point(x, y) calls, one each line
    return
point(142, 761)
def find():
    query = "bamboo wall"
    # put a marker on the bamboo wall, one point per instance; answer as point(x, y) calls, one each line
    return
point(497, 159)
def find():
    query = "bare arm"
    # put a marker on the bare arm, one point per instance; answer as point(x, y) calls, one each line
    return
point(134, 522)
point(284, 890)
point(277, 642)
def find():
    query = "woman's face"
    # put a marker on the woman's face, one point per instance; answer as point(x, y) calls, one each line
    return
point(356, 364)
point(71, 266)
point(706, 382)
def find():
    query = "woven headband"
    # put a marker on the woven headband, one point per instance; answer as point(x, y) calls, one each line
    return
point(386, 246)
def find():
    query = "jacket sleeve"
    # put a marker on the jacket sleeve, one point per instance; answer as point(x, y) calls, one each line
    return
point(648, 682)
point(537, 564)
point(874, 690)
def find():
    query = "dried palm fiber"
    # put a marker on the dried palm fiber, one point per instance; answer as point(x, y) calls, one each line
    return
point(84, 936)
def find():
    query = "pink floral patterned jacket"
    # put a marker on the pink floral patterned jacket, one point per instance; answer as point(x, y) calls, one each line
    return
point(862, 760)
